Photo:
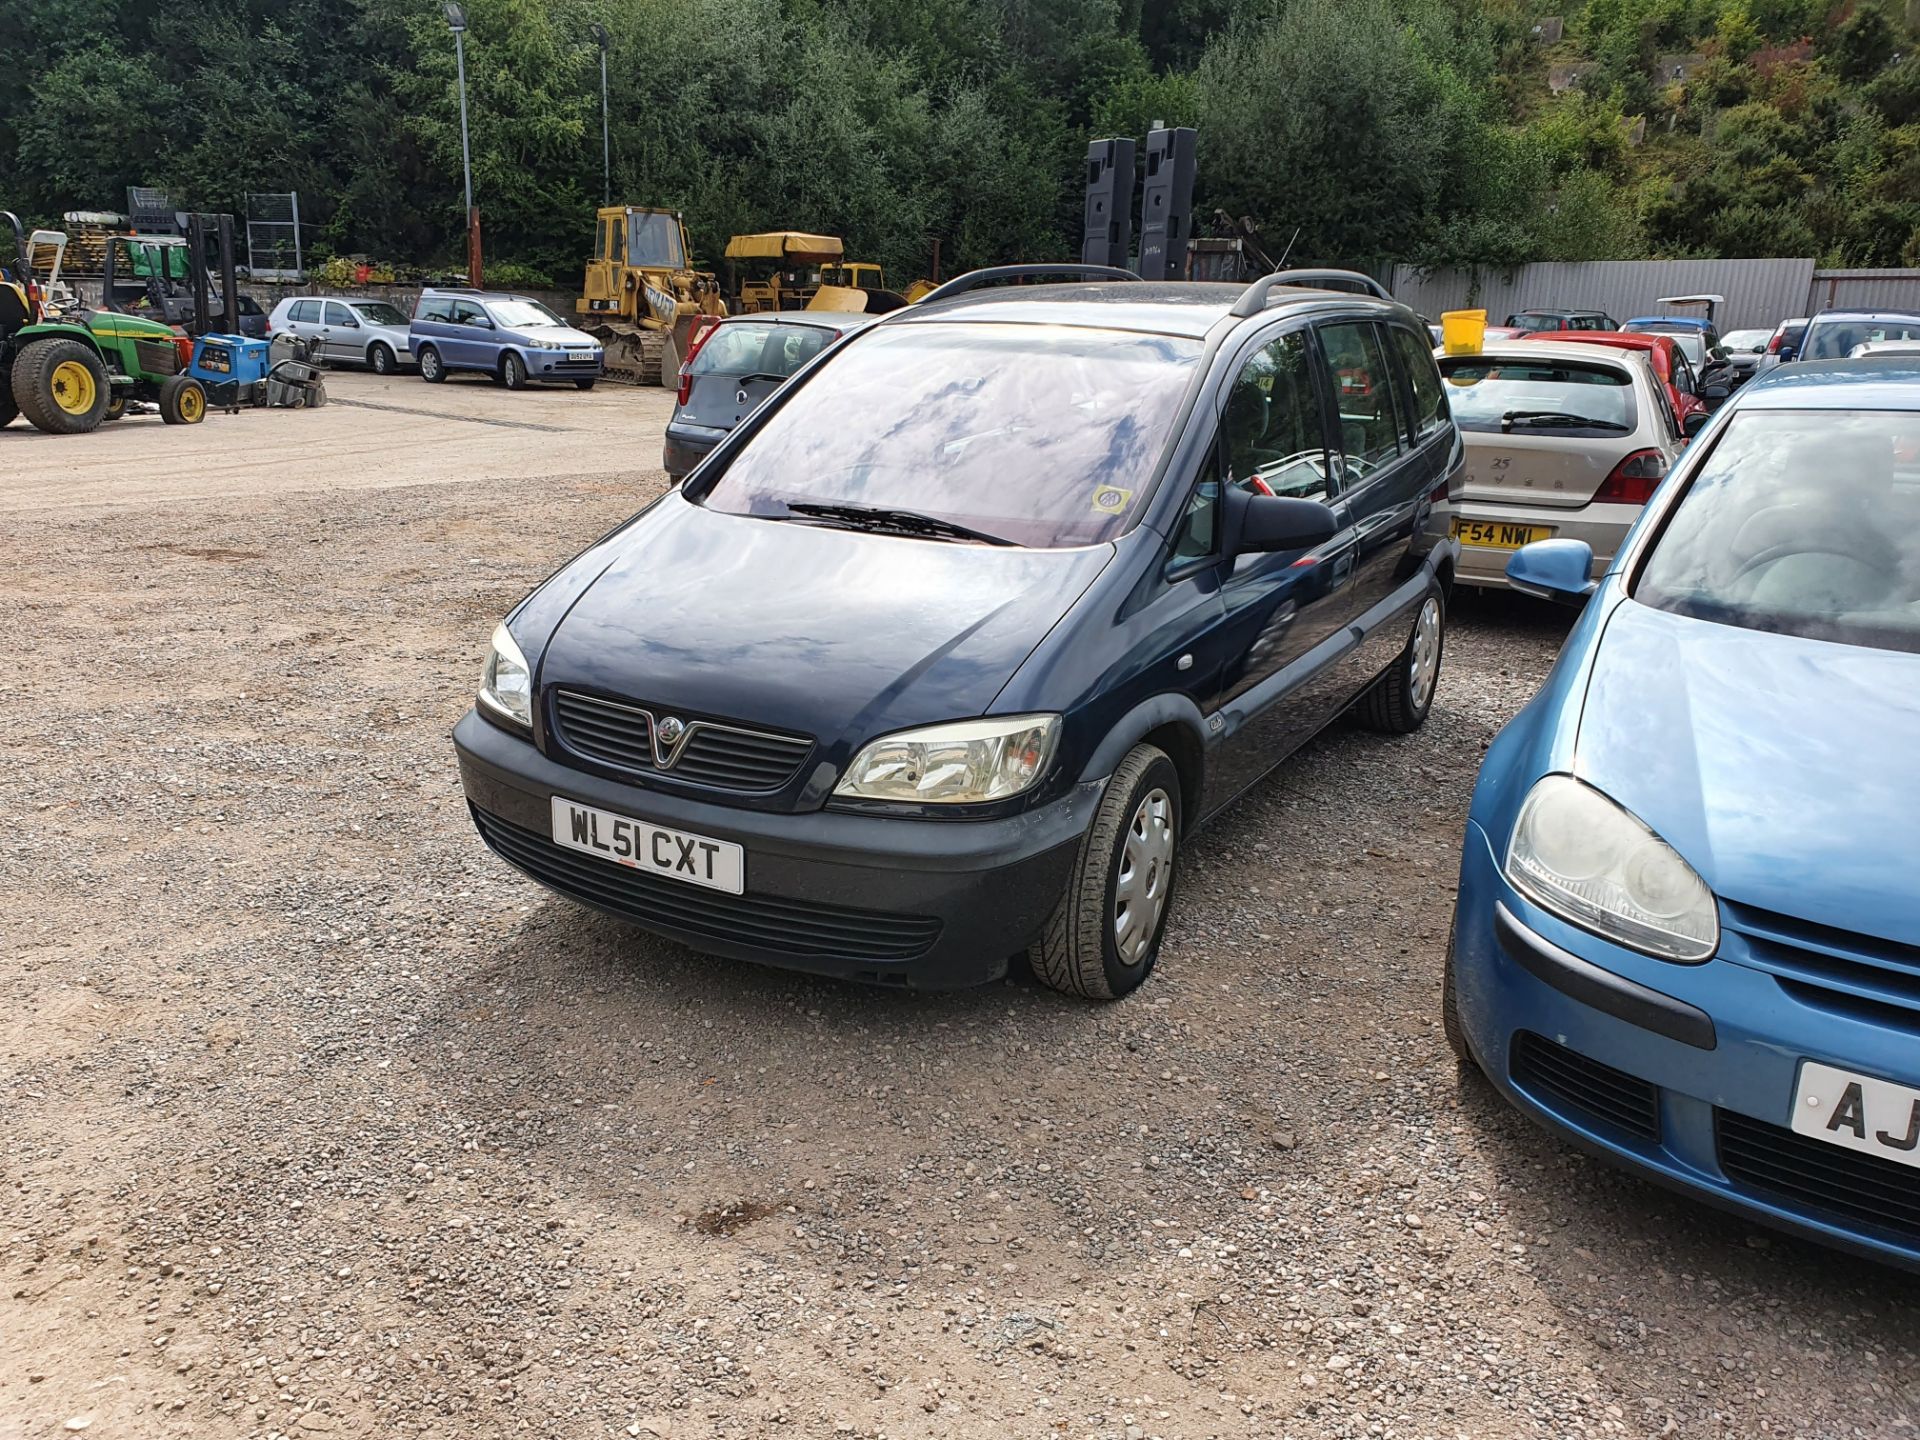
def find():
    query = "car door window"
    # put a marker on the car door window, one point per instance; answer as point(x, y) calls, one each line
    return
point(338, 314)
point(1423, 375)
point(1683, 378)
point(305, 312)
point(1370, 430)
point(1271, 438)
point(465, 312)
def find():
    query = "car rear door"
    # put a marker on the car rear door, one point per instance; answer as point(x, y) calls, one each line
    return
point(303, 319)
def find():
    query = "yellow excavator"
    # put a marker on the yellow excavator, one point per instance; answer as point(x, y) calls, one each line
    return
point(642, 293)
point(792, 270)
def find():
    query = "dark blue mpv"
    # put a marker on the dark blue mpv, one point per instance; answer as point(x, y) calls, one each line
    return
point(945, 651)
point(1688, 927)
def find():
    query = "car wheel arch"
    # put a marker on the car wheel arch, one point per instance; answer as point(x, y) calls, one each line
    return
point(1172, 723)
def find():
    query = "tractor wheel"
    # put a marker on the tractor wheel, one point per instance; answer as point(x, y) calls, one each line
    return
point(61, 387)
point(182, 401)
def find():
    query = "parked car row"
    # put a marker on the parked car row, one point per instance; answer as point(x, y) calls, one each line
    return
point(513, 339)
point(1063, 571)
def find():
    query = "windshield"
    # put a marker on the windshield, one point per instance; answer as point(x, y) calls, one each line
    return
point(1745, 342)
point(737, 349)
point(378, 312)
point(654, 241)
point(522, 314)
point(1499, 394)
point(1835, 339)
point(1046, 435)
point(1801, 522)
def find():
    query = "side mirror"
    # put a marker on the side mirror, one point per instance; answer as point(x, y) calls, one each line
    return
point(1695, 422)
point(1554, 570)
point(1260, 524)
point(1713, 394)
point(1787, 352)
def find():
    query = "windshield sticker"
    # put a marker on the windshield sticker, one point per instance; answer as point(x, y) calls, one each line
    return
point(1111, 499)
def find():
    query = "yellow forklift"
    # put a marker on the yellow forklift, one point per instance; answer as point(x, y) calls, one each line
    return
point(642, 293)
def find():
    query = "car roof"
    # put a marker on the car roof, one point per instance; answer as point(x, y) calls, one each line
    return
point(1618, 339)
point(1885, 382)
point(1519, 349)
point(1186, 308)
point(1685, 322)
point(1851, 313)
point(1558, 310)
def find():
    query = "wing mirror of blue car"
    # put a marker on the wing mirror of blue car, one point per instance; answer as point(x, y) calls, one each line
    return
point(1264, 523)
point(1559, 570)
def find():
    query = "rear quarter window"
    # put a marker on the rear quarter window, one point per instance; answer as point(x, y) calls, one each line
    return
point(436, 309)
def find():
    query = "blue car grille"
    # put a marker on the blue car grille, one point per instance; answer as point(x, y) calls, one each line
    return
point(1835, 969)
point(1564, 1079)
point(726, 757)
point(765, 922)
point(1807, 1174)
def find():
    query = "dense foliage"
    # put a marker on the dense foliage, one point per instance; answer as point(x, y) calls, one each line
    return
point(1435, 131)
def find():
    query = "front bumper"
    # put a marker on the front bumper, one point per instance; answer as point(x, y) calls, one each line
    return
point(932, 904)
point(560, 365)
point(1603, 527)
point(1704, 1061)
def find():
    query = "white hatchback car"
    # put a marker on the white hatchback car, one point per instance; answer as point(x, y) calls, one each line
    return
point(1562, 439)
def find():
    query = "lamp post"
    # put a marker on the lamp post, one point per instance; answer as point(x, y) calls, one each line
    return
point(457, 23)
point(606, 146)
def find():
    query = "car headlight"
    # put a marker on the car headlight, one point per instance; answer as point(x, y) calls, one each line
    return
point(1580, 855)
point(965, 762)
point(506, 685)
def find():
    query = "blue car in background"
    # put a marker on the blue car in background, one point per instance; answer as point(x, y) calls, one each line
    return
point(512, 338)
point(1688, 928)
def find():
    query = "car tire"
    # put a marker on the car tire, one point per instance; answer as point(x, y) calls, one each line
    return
point(1126, 863)
point(583, 384)
point(61, 387)
point(432, 369)
point(381, 360)
point(182, 400)
point(1399, 700)
point(513, 371)
point(116, 409)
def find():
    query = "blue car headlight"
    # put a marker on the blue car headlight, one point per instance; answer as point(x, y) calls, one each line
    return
point(1580, 855)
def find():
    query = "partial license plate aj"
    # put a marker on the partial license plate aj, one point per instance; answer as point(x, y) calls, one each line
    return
point(638, 845)
point(1858, 1112)
point(1497, 535)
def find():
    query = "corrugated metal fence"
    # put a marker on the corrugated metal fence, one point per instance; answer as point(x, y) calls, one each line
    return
point(1760, 293)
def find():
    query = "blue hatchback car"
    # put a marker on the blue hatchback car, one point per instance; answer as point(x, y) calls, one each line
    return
point(1688, 928)
point(944, 651)
point(512, 338)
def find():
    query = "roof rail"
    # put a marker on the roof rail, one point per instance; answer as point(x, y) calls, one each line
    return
point(974, 279)
point(1254, 298)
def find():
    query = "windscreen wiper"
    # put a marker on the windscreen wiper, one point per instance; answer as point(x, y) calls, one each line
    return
point(1559, 418)
point(900, 522)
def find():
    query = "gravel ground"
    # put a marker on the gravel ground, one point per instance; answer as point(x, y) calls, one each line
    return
point(318, 1118)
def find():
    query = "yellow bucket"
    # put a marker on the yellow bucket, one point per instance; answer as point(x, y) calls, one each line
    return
point(1462, 332)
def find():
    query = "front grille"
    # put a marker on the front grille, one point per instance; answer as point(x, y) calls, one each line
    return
point(157, 357)
point(786, 927)
point(1599, 1092)
point(723, 756)
point(1838, 969)
point(1840, 1184)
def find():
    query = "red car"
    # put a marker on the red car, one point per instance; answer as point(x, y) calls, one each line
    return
point(1668, 363)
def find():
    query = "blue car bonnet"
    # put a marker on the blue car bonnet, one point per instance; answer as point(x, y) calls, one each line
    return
point(1775, 765)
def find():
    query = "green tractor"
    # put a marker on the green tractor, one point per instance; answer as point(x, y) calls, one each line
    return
point(67, 377)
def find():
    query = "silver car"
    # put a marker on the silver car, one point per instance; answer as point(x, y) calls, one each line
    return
point(347, 332)
point(1563, 440)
